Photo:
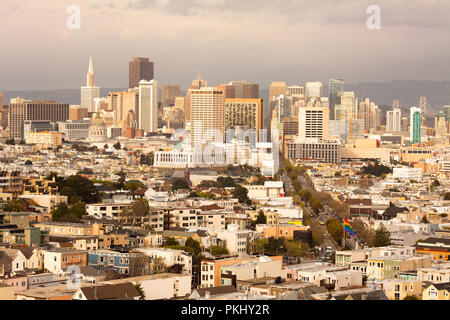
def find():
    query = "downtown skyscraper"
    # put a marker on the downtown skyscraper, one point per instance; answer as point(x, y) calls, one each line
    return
point(90, 92)
point(415, 125)
point(140, 69)
point(335, 86)
point(148, 105)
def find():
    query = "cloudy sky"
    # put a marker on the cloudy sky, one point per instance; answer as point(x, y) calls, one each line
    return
point(256, 40)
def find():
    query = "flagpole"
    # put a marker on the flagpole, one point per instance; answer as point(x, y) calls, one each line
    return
point(344, 236)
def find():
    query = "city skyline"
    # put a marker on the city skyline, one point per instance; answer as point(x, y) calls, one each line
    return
point(214, 38)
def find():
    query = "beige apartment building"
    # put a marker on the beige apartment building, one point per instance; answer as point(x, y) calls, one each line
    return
point(126, 107)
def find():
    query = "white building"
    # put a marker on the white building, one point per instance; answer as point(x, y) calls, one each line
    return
point(170, 257)
point(236, 240)
point(270, 190)
point(90, 92)
point(148, 105)
point(408, 173)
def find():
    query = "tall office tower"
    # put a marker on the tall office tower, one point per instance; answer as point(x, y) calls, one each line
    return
point(207, 114)
point(395, 105)
point(148, 105)
point(394, 120)
point(78, 113)
point(276, 88)
point(347, 108)
point(169, 92)
point(21, 110)
point(244, 113)
point(140, 69)
point(415, 125)
point(423, 103)
point(368, 112)
point(295, 90)
point(314, 90)
point(245, 89)
point(334, 86)
point(123, 104)
point(196, 84)
point(313, 123)
point(90, 92)
point(284, 105)
point(179, 103)
point(229, 91)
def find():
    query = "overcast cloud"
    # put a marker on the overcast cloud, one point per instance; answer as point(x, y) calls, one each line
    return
point(256, 40)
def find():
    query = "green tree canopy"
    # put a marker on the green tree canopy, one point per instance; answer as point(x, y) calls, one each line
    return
point(241, 194)
point(336, 229)
point(382, 237)
point(227, 182)
point(218, 251)
point(261, 218)
point(180, 184)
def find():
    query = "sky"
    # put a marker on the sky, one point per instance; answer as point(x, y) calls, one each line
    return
point(256, 40)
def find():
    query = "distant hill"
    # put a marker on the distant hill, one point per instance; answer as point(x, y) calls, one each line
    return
point(407, 92)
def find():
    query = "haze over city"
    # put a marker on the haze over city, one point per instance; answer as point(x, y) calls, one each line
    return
point(260, 41)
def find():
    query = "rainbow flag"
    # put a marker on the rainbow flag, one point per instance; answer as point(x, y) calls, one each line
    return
point(348, 228)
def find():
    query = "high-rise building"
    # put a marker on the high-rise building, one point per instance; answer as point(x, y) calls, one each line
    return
point(368, 112)
point(196, 84)
point(347, 108)
point(276, 88)
point(314, 90)
point(1, 100)
point(395, 105)
point(394, 120)
point(295, 90)
point(313, 123)
point(140, 69)
point(148, 105)
point(207, 114)
point(245, 89)
point(21, 110)
point(168, 94)
point(123, 104)
point(415, 125)
point(244, 113)
point(90, 92)
point(284, 106)
point(423, 105)
point(335, 86)
point(78, 112)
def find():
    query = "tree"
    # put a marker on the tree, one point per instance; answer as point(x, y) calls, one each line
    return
point(180, 184)
point(424, 220)
point(261, 218)
point(447, 196)
point(122, 179)
point(218, 251)
point(275, 246)
point(227, 182)
point(28, 163)
point(176, 268)
point(15, 206)
point(134, 185)
point(335, 229)
point(140, 290)
point(241, 194)
point(436, 184)
point(63, 213)
point(193, 246)
point(296, 248)
point(117, 146)
point(376, 170)
point(10, 142)
point(171, 242)
point(78, 188)
point(382, 237)
point(315, 204)
point(305, 195)
point(105, 147)
point(139, 209)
